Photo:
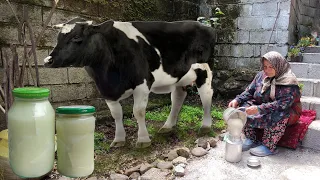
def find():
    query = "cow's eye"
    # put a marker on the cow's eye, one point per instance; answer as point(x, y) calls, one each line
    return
point(76, 39)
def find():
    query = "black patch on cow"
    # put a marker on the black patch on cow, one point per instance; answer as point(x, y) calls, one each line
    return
point(201, 77)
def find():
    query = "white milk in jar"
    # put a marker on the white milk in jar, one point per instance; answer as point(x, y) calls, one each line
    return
point(31, 125)
point(75, 137)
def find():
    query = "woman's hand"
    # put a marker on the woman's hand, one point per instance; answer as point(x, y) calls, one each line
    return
point(233, 103)
point(252, 110)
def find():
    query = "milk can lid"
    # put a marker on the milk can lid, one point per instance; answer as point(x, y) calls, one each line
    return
point(31, 92)
point(76, 109)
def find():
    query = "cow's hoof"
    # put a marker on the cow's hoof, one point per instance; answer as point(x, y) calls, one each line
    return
point(164, 130)
point(143, 144)
point(204, 130)
point(118, 144)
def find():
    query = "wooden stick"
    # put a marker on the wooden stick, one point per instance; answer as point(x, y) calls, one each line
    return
point(5, 84)
point(2, 109)
point(2, 93)
point(46, 23)
point(33, 43)
point(15, 65)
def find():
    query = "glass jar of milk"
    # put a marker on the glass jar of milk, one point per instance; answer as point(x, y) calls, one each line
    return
point(31, 129)
point(75, 140)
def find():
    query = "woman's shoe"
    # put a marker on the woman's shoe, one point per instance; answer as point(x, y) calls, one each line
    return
point(262, 151)
point(248, 144)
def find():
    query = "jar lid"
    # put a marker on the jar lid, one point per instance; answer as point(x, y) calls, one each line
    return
point(31, 92)
point(76, 109)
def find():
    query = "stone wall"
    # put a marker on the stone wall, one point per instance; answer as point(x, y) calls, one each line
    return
point(249, 30)
point(73, 85)
point(304, 19)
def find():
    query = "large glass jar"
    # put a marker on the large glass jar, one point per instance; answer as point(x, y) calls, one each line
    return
point(75, 140)
point(31, 130)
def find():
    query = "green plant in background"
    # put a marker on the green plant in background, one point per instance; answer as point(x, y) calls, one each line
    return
point(300, 86)
point(294, 51)
point(213, 21)
point(297, 50)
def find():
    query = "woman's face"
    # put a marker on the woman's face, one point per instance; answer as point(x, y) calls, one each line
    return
point(268, 68)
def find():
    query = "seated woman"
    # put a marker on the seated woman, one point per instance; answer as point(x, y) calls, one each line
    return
point(271, 100)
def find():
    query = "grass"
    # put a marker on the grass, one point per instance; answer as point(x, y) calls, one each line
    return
point(185, 134)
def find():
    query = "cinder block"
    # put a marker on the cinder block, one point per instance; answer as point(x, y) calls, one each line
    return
point(262, 9)
point(283, 22)
point(78, 75)
point(300, 69)
point(314, 71)
point(311, 103)
point(68, 92)
point(314, 3)
point(7, 15)
point(225, 50)
point(53, 76)
point(311, 58)
point(268, 22)
point(316, 89)
point(59, 16)
point(308, 86)
point(282, 37)
point(92, 91)
point(246, 10)
point(242, 36)
point(9, 34)
point(247, 62)
point(249, 23)
point(242, 50)
point(282, 49)
point(311, 139)
point(257, 51)
point(261, 37)
point(285, 7)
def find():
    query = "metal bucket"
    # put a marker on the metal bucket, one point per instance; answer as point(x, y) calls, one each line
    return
point(233, 150)
point(235, 113)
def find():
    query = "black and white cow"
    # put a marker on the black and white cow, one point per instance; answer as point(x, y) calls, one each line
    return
point(136, 58)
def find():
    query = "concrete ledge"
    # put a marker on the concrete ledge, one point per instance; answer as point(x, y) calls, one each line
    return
point(311, 103)
point(312, 140)
point(78, 75)
point(311, 87)
point(305, 70)
point(311, 58)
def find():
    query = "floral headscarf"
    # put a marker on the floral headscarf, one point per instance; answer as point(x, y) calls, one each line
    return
point(284, 75)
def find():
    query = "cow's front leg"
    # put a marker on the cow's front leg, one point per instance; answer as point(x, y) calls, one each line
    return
point(203, 83)
point(177, 98)
point(140, 96)
point(120, 134)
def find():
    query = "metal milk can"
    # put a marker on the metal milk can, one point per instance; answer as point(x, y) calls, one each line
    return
point(235, 119)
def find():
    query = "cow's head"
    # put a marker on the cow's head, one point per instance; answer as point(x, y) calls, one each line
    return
point(73, 44)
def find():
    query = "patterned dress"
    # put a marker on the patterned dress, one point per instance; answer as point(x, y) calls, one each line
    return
point(273, 115)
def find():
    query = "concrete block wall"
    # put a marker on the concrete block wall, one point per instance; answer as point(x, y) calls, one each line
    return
point(258, 29)
point(304, 19)
point(73, 85)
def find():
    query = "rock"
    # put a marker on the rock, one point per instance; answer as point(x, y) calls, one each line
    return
point(155, 174)
point(213, 143)
point(199, 151)
point(145, 167)
point(102, 178)
point(301, 173)
point(155, 163)
point(182, 165)
point(179, 171)
point(184, 152)
point(172, 155)
point(134, 175)
point(92, 178)
point(179, 160)
point(115, 176)
point(64, 178)
point(131, 170)
point(164, 165)
point(202, 143)
point(208, 146)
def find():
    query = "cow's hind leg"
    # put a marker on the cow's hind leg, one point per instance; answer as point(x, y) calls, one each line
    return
point(203, 82)
point(120, 134)
point(140, 96)
point(177, 98)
